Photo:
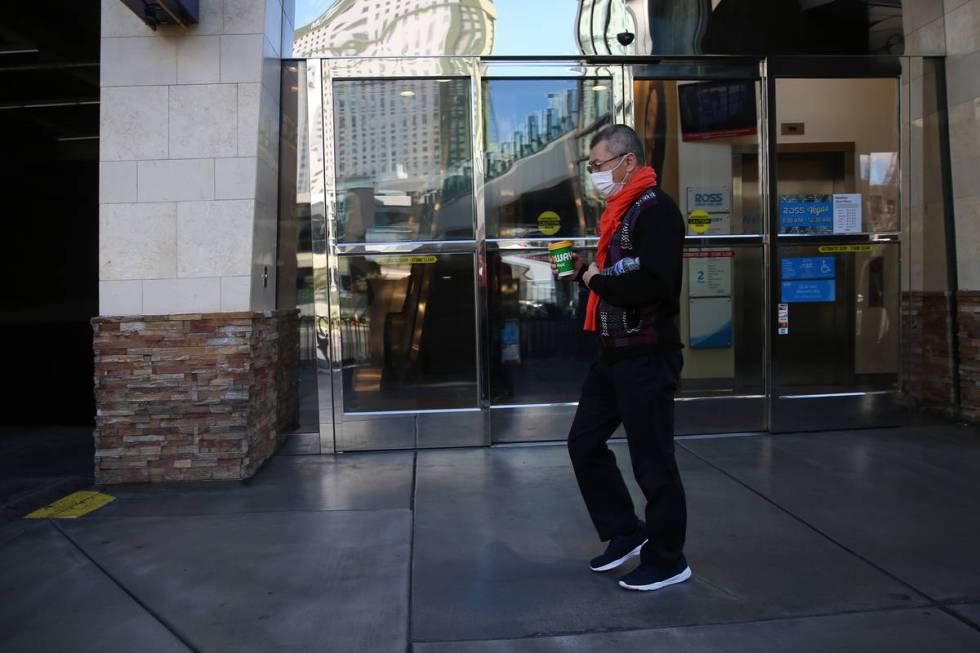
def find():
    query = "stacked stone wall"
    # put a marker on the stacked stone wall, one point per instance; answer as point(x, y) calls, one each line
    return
point(191, 397)
point(969, 348)
point(928, 372)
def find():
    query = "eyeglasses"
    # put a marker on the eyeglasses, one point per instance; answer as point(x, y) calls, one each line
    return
point(594, 167)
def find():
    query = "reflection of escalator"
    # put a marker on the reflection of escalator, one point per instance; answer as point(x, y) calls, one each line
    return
point(430, 341)
point(403, 329)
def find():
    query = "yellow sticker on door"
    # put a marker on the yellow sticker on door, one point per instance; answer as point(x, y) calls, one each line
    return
point(838, 249)
point(549, 223)
point(699, 221)
point(72, 506)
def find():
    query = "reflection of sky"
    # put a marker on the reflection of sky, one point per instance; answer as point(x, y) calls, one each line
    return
point(879, 168)
point(309, 10)
point(524, 27)
point(535, 27)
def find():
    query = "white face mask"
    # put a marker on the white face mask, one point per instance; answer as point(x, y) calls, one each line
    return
point(603, 181)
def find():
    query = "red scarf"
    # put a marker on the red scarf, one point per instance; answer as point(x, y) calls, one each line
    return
point(612, 217)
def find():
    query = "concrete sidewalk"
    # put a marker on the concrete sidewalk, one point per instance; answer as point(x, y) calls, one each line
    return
point(845, 541)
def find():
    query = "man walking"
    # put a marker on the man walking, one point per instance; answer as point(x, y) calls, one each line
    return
point(633, 307)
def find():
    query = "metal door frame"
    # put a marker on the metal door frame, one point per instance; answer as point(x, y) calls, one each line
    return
point(848, 409)
point(406, 429)
point(731, 412)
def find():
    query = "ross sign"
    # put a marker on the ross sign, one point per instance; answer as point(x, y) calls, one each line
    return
point(847, 213)
point(810, 290)
point(782, 320)
point(549, 223)
point(805, 214)
point(716, 203)
point(710, 323)
point(813, 267)
point(709, 277)
point(713, 200)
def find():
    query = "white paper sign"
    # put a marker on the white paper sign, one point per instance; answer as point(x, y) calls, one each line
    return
point(710, 325)
point(709, 277)
point(847, 213)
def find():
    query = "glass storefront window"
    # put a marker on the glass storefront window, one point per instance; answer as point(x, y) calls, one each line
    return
point(404, 160)
point(838, 165)
point(294, 262)
point(539, 352)
point(842, 310)
point(537, 134)
point(408, 339)
point(702, 140)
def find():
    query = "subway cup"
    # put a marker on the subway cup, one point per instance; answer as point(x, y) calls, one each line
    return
point(561, 256)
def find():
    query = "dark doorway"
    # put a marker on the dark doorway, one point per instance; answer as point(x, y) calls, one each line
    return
point(49, 172)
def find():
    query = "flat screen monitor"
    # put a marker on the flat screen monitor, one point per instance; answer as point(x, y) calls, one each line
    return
point(717, 110)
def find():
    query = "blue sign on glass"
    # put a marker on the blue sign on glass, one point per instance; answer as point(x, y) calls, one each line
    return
point(816, 290)
point(811, 267)
point(805, 214)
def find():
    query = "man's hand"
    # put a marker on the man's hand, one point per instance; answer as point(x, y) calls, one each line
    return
point(575, 260)
point(591, 272)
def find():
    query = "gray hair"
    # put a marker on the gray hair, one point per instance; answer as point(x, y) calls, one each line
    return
point(621, 139)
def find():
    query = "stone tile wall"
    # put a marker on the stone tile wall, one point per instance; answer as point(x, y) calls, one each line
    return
point(189, 141)
point(192, 397)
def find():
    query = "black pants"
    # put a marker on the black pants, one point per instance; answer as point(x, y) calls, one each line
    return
point(639, 392)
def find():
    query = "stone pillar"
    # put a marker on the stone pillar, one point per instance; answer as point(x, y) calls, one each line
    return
point(949, 28)
point(928, 337)
point(962, 20)
point(189, 141)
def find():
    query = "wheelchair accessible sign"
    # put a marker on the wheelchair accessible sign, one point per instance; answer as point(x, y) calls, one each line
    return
point(808, 279)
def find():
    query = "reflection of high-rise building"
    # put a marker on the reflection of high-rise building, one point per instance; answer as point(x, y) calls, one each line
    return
point(363, 28)
point(415, 131)
point(579, 106)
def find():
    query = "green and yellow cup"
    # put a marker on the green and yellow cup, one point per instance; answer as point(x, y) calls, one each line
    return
point(561, 256)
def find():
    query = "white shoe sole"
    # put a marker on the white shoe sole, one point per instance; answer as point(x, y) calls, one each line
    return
point(673, 580)
point(615, 563)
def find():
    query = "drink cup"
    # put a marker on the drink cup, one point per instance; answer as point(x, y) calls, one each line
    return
point(561, 256)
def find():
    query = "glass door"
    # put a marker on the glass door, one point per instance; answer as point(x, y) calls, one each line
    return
point(836, 211)
point(701, 123)
point(538, 120)
point(399, 262)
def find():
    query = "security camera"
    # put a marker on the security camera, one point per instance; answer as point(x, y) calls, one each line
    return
point(625, 38)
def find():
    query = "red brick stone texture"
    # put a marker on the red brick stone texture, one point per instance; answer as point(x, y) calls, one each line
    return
point(927, 359)
point(192, 397)
point(969, 344)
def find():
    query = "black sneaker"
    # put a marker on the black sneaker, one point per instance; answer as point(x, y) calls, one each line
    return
point(621, 548)
point(648, 577)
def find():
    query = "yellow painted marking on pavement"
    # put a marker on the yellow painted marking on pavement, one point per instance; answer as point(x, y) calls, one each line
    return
point(72, 506)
